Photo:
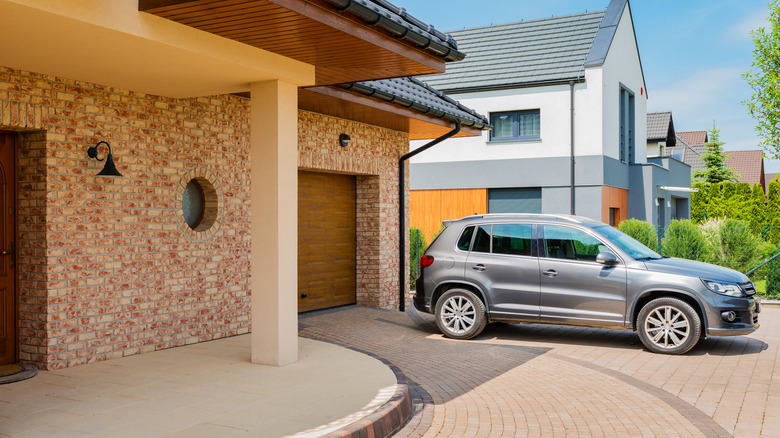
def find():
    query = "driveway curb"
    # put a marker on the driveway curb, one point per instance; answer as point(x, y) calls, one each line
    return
point(389, 418)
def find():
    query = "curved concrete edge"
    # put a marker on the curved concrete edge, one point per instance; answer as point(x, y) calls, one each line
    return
point(388, 418)
point(28, 372)
point(770, 303)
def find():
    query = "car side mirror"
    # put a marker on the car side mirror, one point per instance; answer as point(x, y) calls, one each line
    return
point(606, 258)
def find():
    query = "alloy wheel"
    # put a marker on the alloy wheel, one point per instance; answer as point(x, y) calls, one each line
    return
point(667, 327)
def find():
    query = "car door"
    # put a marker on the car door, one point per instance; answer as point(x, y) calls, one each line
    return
point(575, 289)
point(503, 262)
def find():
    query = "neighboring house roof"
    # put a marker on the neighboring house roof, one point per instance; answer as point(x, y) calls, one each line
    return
point(418, 96)
point(748, 165)
point(513, 55)
point(660, 127)
point(693, 137)
point(769, 177)
point(531, 53)
point(688, 154)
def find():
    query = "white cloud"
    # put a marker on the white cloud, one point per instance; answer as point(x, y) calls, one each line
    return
point(696, 93)
point(741, 29)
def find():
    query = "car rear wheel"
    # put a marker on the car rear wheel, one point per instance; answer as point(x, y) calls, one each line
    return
point(669, 326)
point(460, 314)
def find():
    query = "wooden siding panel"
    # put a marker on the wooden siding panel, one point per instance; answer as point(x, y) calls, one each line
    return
point(428, 208)
point(613, 197)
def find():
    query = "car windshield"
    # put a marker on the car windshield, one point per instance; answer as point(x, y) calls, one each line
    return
point(628, 244)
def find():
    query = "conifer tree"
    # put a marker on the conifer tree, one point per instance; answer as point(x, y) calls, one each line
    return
point(715, 208)
point(757, 209)
point(699, 203)
point(715, 170)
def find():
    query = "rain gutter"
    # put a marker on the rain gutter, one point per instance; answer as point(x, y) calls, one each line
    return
point(402, 280)
point(399, 24)
point(366, 89)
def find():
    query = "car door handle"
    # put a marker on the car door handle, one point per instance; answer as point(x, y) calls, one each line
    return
point(550, 272)
point(479, 267)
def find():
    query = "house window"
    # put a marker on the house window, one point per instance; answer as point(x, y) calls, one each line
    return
point(627, 128)
point(515, 125)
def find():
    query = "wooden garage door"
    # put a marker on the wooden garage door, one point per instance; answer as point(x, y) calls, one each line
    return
point(326, 240)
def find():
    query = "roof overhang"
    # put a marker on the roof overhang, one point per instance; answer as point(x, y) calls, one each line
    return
point(341, 103)
point(343, 46)
point(111, 43)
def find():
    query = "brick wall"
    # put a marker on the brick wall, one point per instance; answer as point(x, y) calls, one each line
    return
point(372, 155)
point(106, 266)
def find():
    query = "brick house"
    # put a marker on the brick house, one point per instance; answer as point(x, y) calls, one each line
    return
point(199, 237)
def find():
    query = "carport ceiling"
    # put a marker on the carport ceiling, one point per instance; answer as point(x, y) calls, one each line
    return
point(341, 47)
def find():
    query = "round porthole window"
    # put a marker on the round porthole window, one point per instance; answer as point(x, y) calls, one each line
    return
point(192, 204)
point(200, 206)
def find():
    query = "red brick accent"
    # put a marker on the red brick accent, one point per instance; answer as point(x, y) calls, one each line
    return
point(105, 266)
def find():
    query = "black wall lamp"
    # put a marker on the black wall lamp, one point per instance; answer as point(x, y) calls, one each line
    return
point(109, 169)
point(344, 140)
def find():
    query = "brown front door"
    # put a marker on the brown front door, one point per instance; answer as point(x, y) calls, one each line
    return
point(326, 240)
point(7, 232)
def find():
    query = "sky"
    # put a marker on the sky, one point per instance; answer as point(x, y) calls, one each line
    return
point(693, 52)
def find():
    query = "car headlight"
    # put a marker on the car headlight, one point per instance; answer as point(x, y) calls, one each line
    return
point(728, 289)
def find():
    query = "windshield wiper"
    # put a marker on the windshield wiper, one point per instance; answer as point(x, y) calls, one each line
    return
point(648, 258)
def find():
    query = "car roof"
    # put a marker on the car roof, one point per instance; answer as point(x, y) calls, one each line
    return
point(527, 217)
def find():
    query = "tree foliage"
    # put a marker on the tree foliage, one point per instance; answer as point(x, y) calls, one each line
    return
point(715, 170)
point(764, 78)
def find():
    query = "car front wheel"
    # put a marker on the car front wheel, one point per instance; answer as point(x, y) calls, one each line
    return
point(460, 314)
point(669, 326)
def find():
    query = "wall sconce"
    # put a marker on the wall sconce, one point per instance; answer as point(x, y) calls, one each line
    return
point(344, 140)
point(109, 169)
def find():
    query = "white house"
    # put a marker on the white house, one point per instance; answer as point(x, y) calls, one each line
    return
point(568, 101)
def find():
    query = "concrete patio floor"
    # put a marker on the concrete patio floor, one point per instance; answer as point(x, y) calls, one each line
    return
point(202, 390)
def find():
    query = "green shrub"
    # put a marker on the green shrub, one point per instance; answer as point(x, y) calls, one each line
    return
point(738, 247)
point(685, 240)
point(417, 246)
point(642, 231)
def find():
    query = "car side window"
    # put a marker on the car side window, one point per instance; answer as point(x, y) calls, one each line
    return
point(514, 239)
point(482, 240)
point(570, 244)
point(465, 239)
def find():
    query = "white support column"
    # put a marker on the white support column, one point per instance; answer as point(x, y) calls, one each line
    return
point(274, 216)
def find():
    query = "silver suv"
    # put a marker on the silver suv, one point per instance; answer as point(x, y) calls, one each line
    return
point(575, 271)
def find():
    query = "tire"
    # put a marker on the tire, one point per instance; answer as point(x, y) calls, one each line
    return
point(668, 326)
point(460, 314)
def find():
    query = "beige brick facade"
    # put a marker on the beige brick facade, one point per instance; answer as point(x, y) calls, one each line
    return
point(107, 268)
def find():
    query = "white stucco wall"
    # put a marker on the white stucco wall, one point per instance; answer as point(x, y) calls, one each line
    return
point(596, 113)
point(622, 66)
point(553, 103)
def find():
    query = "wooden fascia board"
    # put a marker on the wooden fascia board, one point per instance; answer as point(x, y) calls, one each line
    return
point(378, 105)
point(318, 12)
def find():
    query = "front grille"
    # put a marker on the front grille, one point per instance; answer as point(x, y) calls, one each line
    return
point(748, 288)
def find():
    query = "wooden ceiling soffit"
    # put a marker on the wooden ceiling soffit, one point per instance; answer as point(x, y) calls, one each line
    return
point(341, 48)
point(358, 107)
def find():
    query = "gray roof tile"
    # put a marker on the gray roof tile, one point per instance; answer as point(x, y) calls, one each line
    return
point(418, 96)
point(528, 52)
point(658, 125)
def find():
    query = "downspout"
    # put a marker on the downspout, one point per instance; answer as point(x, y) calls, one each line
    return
point(402, 212)
point(571, 122)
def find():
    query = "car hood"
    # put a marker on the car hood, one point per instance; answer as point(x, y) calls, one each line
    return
point(695, 269)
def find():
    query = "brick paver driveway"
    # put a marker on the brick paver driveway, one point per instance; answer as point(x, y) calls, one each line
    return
point(520, 380)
